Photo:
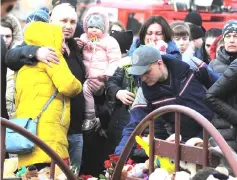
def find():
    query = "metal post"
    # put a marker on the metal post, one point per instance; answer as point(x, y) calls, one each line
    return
point(52, 169)
point(177, 141)
point(151, 145)
point(3, 148)
point(205, 148)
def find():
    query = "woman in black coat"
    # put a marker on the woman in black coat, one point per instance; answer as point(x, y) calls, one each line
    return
point(121, 89)
point(222, 99)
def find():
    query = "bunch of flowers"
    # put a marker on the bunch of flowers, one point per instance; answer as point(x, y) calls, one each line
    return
point(109, 166)
point(109, 169)
point(87, 177)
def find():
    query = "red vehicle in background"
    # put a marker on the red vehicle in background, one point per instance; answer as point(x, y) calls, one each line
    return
point(133, 13)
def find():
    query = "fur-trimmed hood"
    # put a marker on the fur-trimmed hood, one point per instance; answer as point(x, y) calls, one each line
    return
point(17, 30)
point(100, 11)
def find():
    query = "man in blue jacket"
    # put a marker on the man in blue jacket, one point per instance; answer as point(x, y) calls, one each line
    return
point(165, 81)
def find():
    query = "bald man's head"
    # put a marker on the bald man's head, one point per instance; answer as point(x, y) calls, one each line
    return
point(65, 15)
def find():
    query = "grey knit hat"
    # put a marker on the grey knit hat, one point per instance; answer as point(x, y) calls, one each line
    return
point(230, 27)
point(96, 20)
point(142, 58)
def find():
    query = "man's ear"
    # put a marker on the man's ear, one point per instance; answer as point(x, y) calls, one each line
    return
point(160, 62)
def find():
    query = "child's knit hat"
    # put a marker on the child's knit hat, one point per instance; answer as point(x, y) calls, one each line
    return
point(96, 20)
point(40, 15)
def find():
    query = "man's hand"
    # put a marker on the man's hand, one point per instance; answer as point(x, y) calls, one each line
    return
point(98, 128)
point(103, 78)
point(80, 43)
point(125, 96)
point(102, 133)
point(47, 55)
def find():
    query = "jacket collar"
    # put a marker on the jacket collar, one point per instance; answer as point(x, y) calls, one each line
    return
point(225, 56)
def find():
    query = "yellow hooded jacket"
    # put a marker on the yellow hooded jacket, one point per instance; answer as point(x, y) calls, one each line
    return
point(35, 84)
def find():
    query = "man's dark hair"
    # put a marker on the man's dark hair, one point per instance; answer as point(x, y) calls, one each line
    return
point(166, 29)
point(213, 32)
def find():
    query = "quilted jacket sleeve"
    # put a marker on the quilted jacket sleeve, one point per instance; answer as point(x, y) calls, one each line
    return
point(21, 55)
point(115, 84)
point(114, 56)
point(206, 76)
point(224, 86)
point(63, 79)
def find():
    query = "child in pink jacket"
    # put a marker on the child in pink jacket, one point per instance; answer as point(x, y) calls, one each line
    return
point(101, 56)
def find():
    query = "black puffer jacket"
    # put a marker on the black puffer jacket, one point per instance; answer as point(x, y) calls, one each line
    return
point(3, 80)
point(222, 99)
point(120, 114)
point(223, 60)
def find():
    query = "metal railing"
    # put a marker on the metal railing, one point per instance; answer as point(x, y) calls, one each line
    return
point(208, 128)
point(55, 158)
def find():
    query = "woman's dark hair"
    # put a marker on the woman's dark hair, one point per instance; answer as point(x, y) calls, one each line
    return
point(118, 24)
point(166, 29)
point(7, 25)
point(213, 32)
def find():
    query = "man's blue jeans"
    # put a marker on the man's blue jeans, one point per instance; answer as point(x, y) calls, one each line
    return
point(75, 142)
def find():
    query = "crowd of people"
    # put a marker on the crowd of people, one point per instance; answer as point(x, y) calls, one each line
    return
point(108, 79)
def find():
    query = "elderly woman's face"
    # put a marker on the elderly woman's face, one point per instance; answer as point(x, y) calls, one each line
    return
point(154, 33)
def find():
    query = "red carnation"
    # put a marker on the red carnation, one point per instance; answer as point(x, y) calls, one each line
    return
point(85, 177)
point(115, 159)
point(111, 156)
point(107, 164)
point(163, 48)
point(130, 161)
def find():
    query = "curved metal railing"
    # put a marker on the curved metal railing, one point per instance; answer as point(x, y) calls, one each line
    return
point(208, 128)
point(55, 158)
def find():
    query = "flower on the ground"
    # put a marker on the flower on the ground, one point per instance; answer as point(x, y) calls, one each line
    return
point(130, 161)
point(107, 164)
point(85, 177)
point(110, 165)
